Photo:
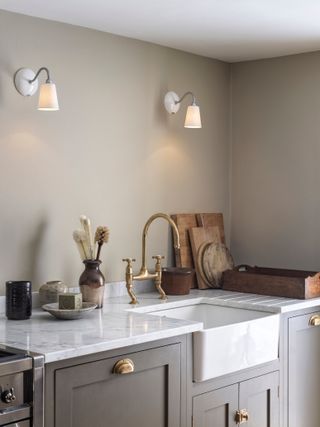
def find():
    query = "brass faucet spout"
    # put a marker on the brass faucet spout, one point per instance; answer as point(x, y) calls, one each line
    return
point(144, 273)
point(176, 238)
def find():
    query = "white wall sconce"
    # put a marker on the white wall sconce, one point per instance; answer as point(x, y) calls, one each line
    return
point(26, 83)
point(172, 104)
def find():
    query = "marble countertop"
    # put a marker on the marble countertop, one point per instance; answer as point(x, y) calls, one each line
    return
point(99, 330)
point(119, 325)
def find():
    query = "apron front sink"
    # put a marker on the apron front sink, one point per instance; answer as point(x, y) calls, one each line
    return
point(231, 339)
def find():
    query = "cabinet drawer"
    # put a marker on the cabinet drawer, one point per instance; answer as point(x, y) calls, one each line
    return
point(93, 394)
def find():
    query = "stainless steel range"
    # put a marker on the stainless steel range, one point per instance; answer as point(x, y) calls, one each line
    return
point(21, 388)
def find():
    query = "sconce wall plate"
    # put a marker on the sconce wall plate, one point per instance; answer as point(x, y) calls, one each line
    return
point(22, 82)
point(171, 102)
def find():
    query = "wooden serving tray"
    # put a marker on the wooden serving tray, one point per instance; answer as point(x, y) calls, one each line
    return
point(272, 281)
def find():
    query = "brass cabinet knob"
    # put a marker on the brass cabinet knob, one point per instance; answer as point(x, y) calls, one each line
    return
point(245, 416)
point(314, 320)
point(123, 366)
point(242, 416)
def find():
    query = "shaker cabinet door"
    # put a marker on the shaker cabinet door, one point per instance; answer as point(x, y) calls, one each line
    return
point(253, 403)
point(92, 395)
point(260, 400)
point(217, 408)
point(304, 371)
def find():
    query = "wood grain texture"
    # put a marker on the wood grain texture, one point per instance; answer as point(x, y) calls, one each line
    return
point(273, 281)
point(212, 220)
point(183, 258)
point(212, 261)
point(198, 236)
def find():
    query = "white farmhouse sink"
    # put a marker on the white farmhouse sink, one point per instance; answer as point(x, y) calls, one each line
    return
point(231, 339)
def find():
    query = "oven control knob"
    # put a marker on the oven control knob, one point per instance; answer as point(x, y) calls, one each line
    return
point(8, 396)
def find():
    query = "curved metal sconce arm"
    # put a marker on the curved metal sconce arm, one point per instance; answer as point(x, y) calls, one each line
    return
point(38, 72)
point(183, 96)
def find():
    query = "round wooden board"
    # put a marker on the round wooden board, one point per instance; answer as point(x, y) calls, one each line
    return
point(213, 259)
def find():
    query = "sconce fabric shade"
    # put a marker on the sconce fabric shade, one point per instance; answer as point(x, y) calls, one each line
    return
point(48, 100)
point(193, 118)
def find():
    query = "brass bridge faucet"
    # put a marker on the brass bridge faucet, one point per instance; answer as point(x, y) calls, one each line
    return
point(144, 274)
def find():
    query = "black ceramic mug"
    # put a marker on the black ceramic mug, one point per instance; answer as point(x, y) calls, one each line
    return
point(18, 300)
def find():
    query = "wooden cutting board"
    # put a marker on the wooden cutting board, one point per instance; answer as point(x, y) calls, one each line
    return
point(198, 236)
point(183, 257)
point(212, 220)
point(213, 260)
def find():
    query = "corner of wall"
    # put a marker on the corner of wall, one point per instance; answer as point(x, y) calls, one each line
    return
point(230, 143)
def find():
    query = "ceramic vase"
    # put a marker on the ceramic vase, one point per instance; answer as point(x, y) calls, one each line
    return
point(92, 283)
point(48, 293)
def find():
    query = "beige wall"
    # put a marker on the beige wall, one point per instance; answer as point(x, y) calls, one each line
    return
point(275, 162)
point(111, 152)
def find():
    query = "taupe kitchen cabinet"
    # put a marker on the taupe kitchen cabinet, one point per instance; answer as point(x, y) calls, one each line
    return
point(138, 389)
point(216, 408)
point(304, 371)
point(253, 403)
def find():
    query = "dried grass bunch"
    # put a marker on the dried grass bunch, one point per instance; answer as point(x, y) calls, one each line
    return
point(88, 247)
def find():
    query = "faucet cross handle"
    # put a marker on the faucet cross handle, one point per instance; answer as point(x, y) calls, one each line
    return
point(129, 261)
point(158, 257)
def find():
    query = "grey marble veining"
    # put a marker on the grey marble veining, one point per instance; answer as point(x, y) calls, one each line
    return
point(119, 325)
point(98, 331)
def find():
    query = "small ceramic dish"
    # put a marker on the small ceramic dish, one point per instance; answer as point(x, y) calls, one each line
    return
point(69, 314)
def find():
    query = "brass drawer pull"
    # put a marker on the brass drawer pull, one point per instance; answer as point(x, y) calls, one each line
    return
point(123, 366)
point(242, 416)
point(314, 320)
